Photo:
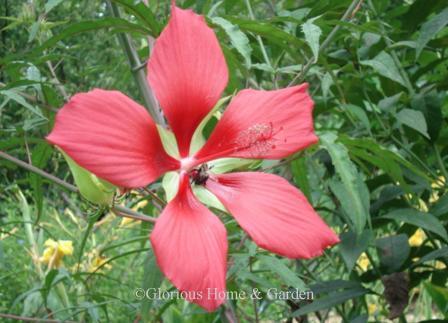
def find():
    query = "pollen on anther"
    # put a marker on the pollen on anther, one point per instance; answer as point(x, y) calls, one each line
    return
point(258, 139)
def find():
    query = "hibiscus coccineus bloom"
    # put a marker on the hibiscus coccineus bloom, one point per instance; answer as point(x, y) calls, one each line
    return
point(115, 138)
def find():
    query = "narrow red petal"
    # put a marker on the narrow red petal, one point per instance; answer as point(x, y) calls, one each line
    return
point(187, 72)
point(113, 137)
point(190, 245)
point(263, 124)
point(274, 213)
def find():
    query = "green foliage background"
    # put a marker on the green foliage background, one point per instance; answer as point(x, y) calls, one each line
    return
point(379, 76)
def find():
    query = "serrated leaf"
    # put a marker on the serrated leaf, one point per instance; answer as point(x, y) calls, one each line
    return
point(352, 246)
point(413, 119)
point(312, 34)
point(238, 39)
point(332, 299)
point(384, 65)
point(287, 275)
point(419, 219)
point(355, 194)
point(430, 28)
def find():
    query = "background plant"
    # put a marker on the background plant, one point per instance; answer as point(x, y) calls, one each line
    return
point(378, 75)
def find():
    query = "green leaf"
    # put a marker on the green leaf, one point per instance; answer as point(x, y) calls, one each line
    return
point(354, 194)
point(268, 31)
point(439, 253)
point(238, 39)
point(51, 4)
point(152, 278)
point(92, 188)
point(332, 299)
point(39, 157)
point(419, 219)
point(413, 119)
point(287, 275)
point(142, 12)
point(430, 104)
point(431, 28)
point(353, 245)
point(115, 24)
point(13, 95)
point(384, 65)
point(358, 113)
point(393, 251)
point(300, 176)
point(439, 295)
point(312, 35)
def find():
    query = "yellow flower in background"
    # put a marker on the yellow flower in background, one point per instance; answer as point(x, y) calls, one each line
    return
point(129, 221)
point(96, 261)
point(440, 265)
point(363, 261)
point(438, 183)
point(140, 205)
point(422, 206)
point(55, 251)
point(417, 238)
point(372, 308)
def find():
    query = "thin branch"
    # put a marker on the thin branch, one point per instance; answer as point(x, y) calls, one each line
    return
point(137, 70)
point(31, 319)
point(348, 15)
point(120, 210)
point(59, 85)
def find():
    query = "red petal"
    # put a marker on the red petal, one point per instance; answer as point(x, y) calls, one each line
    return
point(190, 245)
point(274, 213)
point(113, 137)
point(187, 72)
point(263, 124)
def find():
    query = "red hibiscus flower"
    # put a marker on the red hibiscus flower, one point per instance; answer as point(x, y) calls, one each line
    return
point(115, 138)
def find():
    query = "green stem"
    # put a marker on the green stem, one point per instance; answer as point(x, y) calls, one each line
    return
point(259, 40)
point(393, 54)
point(440, 161)
point(347, 16)
point(29, 233)
point(119, 210)
point(137, 70)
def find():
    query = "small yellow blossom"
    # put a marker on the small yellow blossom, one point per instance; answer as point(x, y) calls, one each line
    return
point(96, 261)
point(437, 184)
point(55, 251)
point(422, 206)
point(363, 261)
point(372, 308)
point(140, 205)
point(440, 265)
point(417, 238)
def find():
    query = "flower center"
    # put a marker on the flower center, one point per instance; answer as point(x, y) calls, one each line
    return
point(187, 163)
point(199, 176)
